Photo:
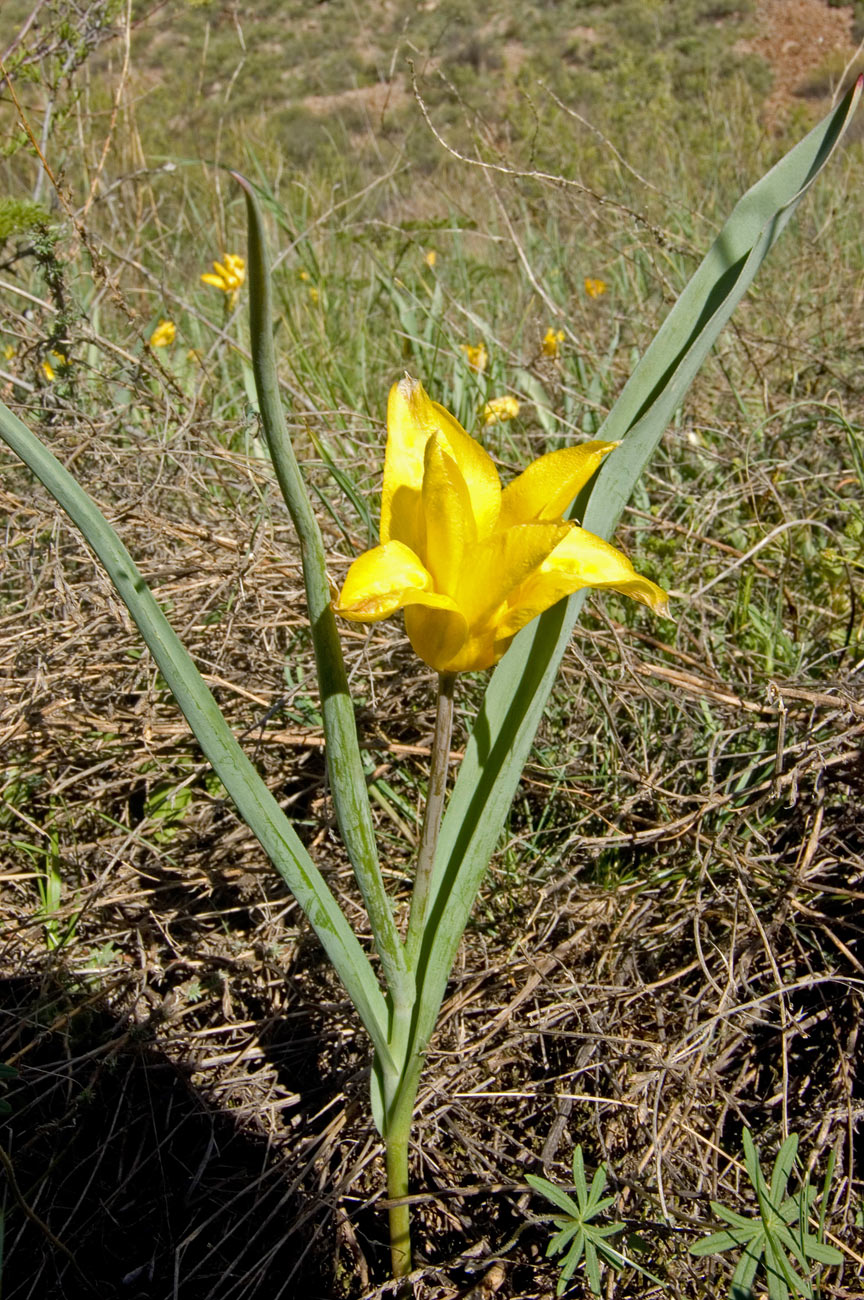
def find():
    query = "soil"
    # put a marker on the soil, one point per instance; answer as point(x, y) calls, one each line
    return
point(807, 43)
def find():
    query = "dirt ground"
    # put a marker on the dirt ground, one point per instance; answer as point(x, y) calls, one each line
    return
point(807, 43)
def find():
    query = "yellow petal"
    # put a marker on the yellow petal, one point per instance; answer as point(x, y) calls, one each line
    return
point(379, 581)
point(447, 512)
point(209, 278)
point(437, 634)
point(546, 488)
point(412, 418)
point(499, 566)
point(580, 560)
point(443, 641)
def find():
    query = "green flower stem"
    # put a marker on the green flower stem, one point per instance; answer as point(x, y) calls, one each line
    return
point(347, 779)
point(439, 764)
point(400, 1115)
point(396, 1156)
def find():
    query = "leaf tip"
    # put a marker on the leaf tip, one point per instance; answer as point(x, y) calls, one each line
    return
point(242, 182)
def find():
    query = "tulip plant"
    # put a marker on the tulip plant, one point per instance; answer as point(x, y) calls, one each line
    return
point(479, 571)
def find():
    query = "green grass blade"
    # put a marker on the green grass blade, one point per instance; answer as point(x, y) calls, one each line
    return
point(516, 696)
point(254, 801)
point(347, 779)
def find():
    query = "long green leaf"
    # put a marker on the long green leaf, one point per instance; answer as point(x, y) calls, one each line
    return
point(254, 801)
point(516, 696)
point(347, 780)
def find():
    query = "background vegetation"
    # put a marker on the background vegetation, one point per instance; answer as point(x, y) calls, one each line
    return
point(668, 948)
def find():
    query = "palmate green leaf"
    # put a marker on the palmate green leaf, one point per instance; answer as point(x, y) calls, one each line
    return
point(254, 801)
point(516, 696)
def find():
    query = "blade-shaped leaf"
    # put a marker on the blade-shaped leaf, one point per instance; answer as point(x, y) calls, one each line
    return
point(592, 1267)
point(344, 764)
point(821, 1251)
point(516, 696)
point(727, 1239)
point(742, 1279)
point(254, 801)
point(563, 1238)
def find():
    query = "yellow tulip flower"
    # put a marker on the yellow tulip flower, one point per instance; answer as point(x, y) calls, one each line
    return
point(471, 563)
point(500, 408)
point(227, 275)
point(61, 361)
point(164, 334)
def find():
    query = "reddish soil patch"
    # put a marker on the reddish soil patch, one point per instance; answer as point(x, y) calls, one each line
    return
point(801, 39)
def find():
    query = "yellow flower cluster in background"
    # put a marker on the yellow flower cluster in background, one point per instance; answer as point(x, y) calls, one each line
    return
point(499, 409)
point(552, 341)
point(227, 275)
point(476, 355)
point(314, 295)
point(431, 258)
point(164, 334)
point(595, 288)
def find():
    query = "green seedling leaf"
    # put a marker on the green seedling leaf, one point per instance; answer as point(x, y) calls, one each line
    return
point(579, 1231)
point(768, 1238)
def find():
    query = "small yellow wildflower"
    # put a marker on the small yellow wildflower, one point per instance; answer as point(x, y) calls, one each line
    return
point(500, 409)
point(60, 361)
point(476, 355)
point(304, 275)
point(595, 288)
point(227, 275)
point(8, 351)
point(164, 334)
point(431, 258)
point(552, 340)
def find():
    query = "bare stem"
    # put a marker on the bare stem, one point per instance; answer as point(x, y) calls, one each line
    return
point(432, 817)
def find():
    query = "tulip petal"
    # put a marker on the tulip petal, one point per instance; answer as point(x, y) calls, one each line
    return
point(436, 633)
point(447, 512)
point(412, 418)
point(383, 580)
point(580, 560)
point(498, 567)
point(546, 488)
